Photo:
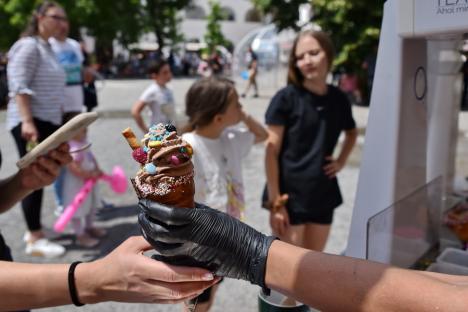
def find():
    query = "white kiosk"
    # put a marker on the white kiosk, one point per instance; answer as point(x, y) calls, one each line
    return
point(412, 131)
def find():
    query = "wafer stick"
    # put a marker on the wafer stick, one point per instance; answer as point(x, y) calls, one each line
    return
point(131, 138)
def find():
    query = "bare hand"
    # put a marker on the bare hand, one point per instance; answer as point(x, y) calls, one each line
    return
point(126, 275)
point(45, 169)
point(333, 167)
point(279, 221)
point(279, 218)
point(29, 131)
point(97, 173)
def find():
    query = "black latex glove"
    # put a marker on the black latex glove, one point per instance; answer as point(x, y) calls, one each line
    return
point(206, 238)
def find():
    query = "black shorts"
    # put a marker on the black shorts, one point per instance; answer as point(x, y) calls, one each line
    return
point(321, 213)
point(323, 216)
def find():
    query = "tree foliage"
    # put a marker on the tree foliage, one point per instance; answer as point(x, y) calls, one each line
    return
point(354, 25)
point(161, 17)
point(284, 13)
point(214, 36)
point(106, 20)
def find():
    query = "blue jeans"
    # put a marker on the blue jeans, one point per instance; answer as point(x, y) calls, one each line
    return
point(58, 188)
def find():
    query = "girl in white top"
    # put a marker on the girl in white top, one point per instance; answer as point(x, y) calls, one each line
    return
point(212, 105)
point(157, 97)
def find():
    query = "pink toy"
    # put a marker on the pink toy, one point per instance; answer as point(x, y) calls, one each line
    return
point(117, 181)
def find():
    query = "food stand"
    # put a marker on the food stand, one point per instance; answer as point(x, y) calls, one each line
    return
point(407, 169)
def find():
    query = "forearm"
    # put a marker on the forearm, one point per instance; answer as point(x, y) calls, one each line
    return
point(337, 283)
point(76, 170)
point(141, 123)
point(30, 286)
point(348, 145)
point(272, 173)
point(256, 128)
point(12, 191)
point(136, 113)
point(24, 101)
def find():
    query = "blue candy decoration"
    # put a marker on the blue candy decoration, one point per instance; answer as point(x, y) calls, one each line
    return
point(150, 168)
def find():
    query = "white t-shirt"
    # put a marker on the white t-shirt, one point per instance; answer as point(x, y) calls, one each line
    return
point(160, 100)
point(69, 55)
point(218, 169)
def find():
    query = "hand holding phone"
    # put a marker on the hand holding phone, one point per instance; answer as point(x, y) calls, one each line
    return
point(63, 134)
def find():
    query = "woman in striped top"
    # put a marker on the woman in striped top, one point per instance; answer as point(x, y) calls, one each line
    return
point(36, 82)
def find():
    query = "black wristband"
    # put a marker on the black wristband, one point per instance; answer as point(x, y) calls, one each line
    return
point(72, 285)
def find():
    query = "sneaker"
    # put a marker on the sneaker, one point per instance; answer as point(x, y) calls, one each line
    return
point(48, 234)
point(86, 241)
point(58, 211)
point(243, 95)
point(44, 248)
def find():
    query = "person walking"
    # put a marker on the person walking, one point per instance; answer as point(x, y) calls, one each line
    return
point(36, 83)
point(252, 60)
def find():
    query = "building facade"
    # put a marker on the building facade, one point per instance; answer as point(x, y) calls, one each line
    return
point(241, 18)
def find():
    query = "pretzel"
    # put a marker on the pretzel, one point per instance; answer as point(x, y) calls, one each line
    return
point(131, 138)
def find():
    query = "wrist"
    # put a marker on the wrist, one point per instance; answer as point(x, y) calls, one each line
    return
point(87, 282)
point(244, 116)
point(27, 120)
point(19, 182)
point(259, 264)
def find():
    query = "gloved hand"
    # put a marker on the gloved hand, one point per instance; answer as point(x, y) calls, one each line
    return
point(206, 238)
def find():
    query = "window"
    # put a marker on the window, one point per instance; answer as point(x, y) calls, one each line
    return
point(195, 12)
point(229, 14)
point(253, 15)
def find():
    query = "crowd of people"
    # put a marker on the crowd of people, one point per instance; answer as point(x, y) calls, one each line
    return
point(46, 75)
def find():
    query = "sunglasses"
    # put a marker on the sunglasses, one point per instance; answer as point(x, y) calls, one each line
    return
point(58, 18)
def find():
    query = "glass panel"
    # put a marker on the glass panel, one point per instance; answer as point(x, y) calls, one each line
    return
point(402, 233)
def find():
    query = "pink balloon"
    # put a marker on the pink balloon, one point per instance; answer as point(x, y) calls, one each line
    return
point(71, 209)
point(118, 183)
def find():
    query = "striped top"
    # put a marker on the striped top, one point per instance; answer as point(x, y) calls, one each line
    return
point(33, 70)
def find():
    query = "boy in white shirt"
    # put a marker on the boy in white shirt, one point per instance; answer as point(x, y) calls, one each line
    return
point(157, 97)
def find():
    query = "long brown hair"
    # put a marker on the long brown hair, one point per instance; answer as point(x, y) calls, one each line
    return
point(32, 29)
point(294, 74)
point(205, 99)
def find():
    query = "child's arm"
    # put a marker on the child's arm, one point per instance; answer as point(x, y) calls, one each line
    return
point(137, 108)
point(332, 168)
point(255, 127)
point(76, 170)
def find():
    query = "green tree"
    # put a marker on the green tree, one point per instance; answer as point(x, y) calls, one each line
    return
point(106, 20)
point(284, 13)
point(214, 36)
point(162, 18)
point(354, 25)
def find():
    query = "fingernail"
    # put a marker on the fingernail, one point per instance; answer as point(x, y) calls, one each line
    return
point(208, 277)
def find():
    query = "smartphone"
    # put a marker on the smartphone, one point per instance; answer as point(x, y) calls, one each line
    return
point(63, 134)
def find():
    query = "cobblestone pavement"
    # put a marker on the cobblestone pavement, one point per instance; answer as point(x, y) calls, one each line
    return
point(116, 98)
